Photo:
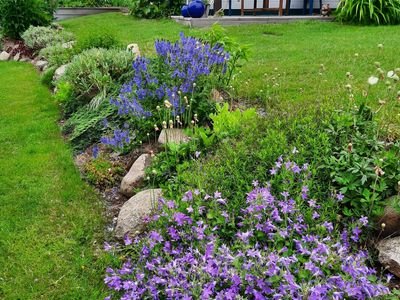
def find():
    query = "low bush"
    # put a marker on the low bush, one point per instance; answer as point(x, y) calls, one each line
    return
point(39, 37)
point(155, 9)
point(86, 125)
point(282, 244)
point(362, 167)
point(17, 15)
point(103, 40)
point(103, 173)
point(94, 74)
point(47, 76)
point(369, 12)
point(57, 54)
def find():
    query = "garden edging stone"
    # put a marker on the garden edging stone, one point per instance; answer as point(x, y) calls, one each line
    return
point(135, 176)
point(389, 254)
point(4, 56)
point(59, 72)
point(130, 218)
point(173, 135)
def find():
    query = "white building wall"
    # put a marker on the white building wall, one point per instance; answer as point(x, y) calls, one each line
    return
point(295, 4)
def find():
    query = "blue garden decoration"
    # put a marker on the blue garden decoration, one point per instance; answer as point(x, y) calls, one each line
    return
point(185, 12)
point(196, 9)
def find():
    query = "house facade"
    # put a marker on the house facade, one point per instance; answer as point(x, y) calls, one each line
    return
point(296, 6)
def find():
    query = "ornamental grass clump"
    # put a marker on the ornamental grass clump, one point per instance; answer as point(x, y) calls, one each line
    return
point(285, 245)
point(172, 90)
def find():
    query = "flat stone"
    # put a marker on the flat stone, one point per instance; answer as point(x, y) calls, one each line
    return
point(17, 56)
point(134, 48)
point(130, 217)
point(4, 56)
point(41, 64)
point(135, 176)
point(173, 135)
point(59, 72)
point(389, 254)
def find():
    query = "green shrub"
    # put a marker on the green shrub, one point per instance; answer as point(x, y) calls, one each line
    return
point(103, 173)
point(41, 37)
point(47, 76)
point(367, 12)
point(85, 126)
point(95, 73)
point(363, 168)
point(57, 54)
point(103, 40)
point(17, 15)
point(65, 96)
point(155, 9)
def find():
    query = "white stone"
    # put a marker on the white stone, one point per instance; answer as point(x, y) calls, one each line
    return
point(4, 56)
point(134, 48)
point(41, 64)
point(130, 217)
point(17, 56)
point(135, 175)
point(59, 72)
point(389, 254)
point(173, 135)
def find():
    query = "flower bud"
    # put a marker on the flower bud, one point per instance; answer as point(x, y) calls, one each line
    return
point(350, 147)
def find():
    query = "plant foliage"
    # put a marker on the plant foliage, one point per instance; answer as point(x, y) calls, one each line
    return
point(369, 12)
point(17, 15)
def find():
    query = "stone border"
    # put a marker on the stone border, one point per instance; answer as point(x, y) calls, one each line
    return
point(73, 12)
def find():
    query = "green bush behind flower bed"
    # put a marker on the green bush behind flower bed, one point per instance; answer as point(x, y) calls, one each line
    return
point(17, 15)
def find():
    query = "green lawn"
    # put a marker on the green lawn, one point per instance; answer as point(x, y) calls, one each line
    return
point(287, 54)
point(49, 219)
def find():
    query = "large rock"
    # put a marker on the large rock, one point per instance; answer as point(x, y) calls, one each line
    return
point(135, 175)
point(4, 56)
point(41, 64)
point(59, 72)
point(130, 218)
point(173, 135)
point(134, 48)
point(391, 219)
point(389, 255)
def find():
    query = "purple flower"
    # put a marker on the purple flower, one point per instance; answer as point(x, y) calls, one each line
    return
point(340, 197)
point(364, 221)
point(127, 240)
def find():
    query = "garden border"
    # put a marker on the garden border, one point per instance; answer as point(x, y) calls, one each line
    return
point(73, 12)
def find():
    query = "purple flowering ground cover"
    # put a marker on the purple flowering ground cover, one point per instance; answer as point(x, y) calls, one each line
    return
point(286, 246)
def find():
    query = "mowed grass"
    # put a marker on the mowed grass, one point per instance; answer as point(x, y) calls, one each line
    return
point(49, 218)
point(284, 70)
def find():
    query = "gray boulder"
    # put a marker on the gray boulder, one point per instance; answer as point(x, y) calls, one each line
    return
point(135, 175)
point(389, 255)
point(173, 135)
point(4, 56)
point(41, 64)
point(130, 218)
point(59, 72)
